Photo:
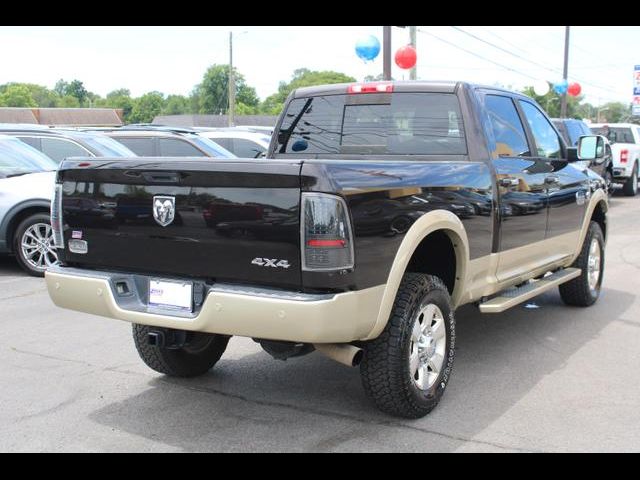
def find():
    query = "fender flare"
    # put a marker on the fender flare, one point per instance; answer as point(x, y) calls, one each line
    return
point(436, 220)
point(599, 197)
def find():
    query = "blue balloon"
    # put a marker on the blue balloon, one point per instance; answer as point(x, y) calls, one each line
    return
point(368, 48)
point(561, 87)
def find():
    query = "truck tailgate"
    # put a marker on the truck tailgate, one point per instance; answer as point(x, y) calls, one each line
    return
point(221, 217)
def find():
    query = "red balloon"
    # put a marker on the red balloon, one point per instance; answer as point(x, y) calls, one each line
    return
point(574, 89)
point(406, 57)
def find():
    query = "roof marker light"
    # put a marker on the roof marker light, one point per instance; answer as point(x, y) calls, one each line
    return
point(370, 87)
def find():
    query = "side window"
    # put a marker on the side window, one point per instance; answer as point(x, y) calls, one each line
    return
point(58, 149)
point(511, 140)
point(223, 142)
point(143, 147)
point(173, 147)
point(33, 141)
point(246, 148)
point(575, 131)
point(545, 136)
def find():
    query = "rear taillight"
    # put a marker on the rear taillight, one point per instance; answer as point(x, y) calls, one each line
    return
point(371, 87)
point(327, 241)
point(624, 155)
point(56, 217)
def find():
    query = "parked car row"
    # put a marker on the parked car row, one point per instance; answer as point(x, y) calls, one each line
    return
point(30, 154)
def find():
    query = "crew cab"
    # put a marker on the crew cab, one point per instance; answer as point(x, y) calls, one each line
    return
point(625, 148)
point(380, 209)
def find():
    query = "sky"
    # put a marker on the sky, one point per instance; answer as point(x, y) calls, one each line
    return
point(172, 60)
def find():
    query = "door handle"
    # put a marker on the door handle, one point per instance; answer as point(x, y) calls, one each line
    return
point(551, 179)
point(509, 182)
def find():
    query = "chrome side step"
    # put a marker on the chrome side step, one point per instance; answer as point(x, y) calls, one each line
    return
point(514, 296)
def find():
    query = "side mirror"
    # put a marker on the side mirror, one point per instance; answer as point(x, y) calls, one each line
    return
point(590, 147)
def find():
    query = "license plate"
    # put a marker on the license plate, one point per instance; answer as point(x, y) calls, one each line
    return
point(171, 295)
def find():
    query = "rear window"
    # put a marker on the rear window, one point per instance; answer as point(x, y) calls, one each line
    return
point(615, 134)
point(384, 124)
point(142, 147)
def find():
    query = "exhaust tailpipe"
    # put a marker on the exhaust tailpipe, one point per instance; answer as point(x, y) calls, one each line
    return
point(341, 352)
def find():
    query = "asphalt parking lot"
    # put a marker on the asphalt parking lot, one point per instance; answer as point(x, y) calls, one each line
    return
point(551, 378)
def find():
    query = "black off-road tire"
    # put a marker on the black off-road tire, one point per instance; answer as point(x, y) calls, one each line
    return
point(630, 187)
point(385, 371)
point(577, 292)
point(197, 358)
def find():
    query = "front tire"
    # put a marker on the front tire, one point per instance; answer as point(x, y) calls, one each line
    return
point(630, 187)
point(406, 369)
point(583, 291)
point(608, 181)
point(33, 244)
point(197, 357)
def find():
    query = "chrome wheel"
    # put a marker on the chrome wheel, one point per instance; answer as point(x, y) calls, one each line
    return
point(594, 265)
point(428, 346)
point(635, 182)
point(37, 247)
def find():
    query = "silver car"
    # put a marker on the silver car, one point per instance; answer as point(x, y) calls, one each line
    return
point(27, 179)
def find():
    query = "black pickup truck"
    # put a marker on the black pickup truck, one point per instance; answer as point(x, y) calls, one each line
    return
point(380, 209)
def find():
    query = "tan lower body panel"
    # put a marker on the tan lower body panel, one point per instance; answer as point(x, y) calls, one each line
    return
point(342, 318)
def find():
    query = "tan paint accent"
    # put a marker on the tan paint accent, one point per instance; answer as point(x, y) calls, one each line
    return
point(478, 278)
point(597, 197)
point(428, 223)
point(521, 261)
point(343, 318)
point(481, 278)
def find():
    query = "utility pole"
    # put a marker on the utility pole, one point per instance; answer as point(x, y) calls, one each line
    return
point(565, 72)
point(386, 53)
point(232, 84)
point(413, 74)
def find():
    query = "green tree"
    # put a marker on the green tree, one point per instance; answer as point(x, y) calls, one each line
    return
point(146, 108)
point(75, 88)
point(17, 95)
point(302, 77)
point(551, 101)
point(243, 109)
point(176, 105)
point(69, 101)
point(40, 94)
point(614, 112)
point(61, 87)
point(213, 92)
point(120, 98)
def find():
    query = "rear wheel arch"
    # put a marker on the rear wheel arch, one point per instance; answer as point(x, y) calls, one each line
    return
point(439, 229)
point(596, 212)
point(17, 214)
point(599, 215)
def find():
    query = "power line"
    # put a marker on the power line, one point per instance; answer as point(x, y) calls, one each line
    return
point(505, 50)
point(476, 55)
point(554, 70)
point(601, 97)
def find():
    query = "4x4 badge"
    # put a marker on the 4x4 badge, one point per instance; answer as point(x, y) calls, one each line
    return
point(164, 210)
point(270, 262)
